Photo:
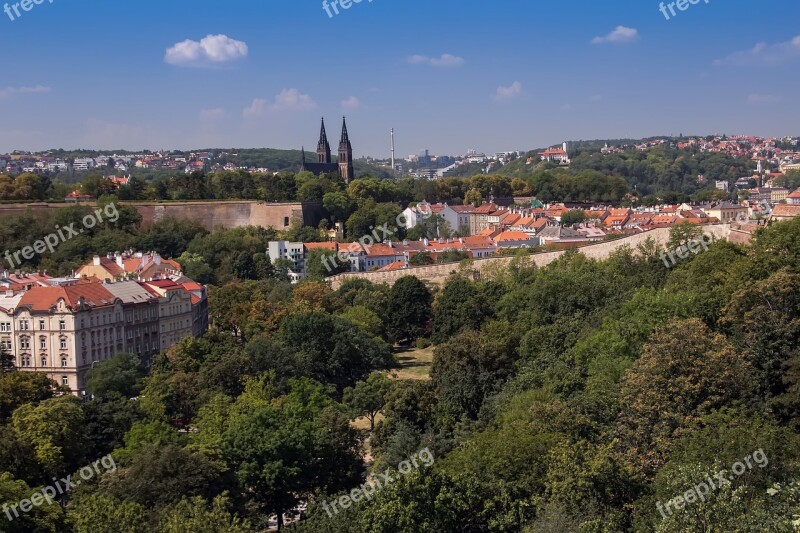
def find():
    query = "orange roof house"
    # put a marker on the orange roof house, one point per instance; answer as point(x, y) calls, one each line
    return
point(128, 265)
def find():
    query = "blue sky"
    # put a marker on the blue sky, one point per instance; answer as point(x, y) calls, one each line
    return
point(448, 76)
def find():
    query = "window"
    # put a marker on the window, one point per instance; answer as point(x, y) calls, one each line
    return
point(41, 325)
point(64, 380)
point(25, 361)
point(25, 343)
point(43, 343)
point(23, 325)
point(63, 343)
point(64, 362)
point(44, 361)
point(5, 326)
point(62, 325)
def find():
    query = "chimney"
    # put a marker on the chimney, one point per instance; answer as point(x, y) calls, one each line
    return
point(118, 257)
point(425, 241)
point(96, 260)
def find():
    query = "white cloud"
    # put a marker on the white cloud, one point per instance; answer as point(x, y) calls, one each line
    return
point(443, 61)
point(763, 54)
point(212, 50)
point(286, 100)
point(351, 104)
point(36, 89)
point(508, 93)
point(256, 109)
point(763, 99)
point(292, 99)
point(620, 35)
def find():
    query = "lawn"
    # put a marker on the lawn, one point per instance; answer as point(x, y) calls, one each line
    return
point(415, 364)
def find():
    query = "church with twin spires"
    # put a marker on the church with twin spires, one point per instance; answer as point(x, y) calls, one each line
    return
point(324, 164)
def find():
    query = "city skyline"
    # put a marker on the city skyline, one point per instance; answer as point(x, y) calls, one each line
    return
point(506, 80)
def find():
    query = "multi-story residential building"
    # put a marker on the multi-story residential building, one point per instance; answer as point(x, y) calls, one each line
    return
point(63, 330)
point(174, 311)
point(459, 217)
point(794, 198)
point(778, 194)
point(141, 313)
point(83, 163)
point(727, 212)
point(294, 252)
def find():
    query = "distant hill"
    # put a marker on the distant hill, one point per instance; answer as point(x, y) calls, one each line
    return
point(288, 160)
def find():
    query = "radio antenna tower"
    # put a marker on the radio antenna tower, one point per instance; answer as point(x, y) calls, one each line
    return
point(393, 167)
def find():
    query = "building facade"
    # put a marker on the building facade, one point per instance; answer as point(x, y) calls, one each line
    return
point(62, 331)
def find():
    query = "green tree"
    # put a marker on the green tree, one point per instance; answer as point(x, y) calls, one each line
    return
point(685, 371)
point(121, 375)
point(574, 216)
point(284, 451)
point(56, 428)
point(158, 477)
point(409, 309)
point(100, 513)
point(321, 264)
point(20, 388)
point(459, 306)
point(45, 518)
point(332, 350)
point(680, 234)
point(367, 398)
point(197, 515)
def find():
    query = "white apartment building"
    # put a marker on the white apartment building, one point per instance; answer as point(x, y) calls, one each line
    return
point(294, 252)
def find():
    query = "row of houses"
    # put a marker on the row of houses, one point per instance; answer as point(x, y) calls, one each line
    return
point(491, 229)
point(64, 326)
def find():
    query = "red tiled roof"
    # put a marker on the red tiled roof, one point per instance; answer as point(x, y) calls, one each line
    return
point(164, 284)
point(330, 246)
point(397, 265)
point(785, 210)
point(508, 236)
point(43, 298)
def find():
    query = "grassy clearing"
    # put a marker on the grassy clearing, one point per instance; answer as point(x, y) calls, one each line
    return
point(415, 364)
